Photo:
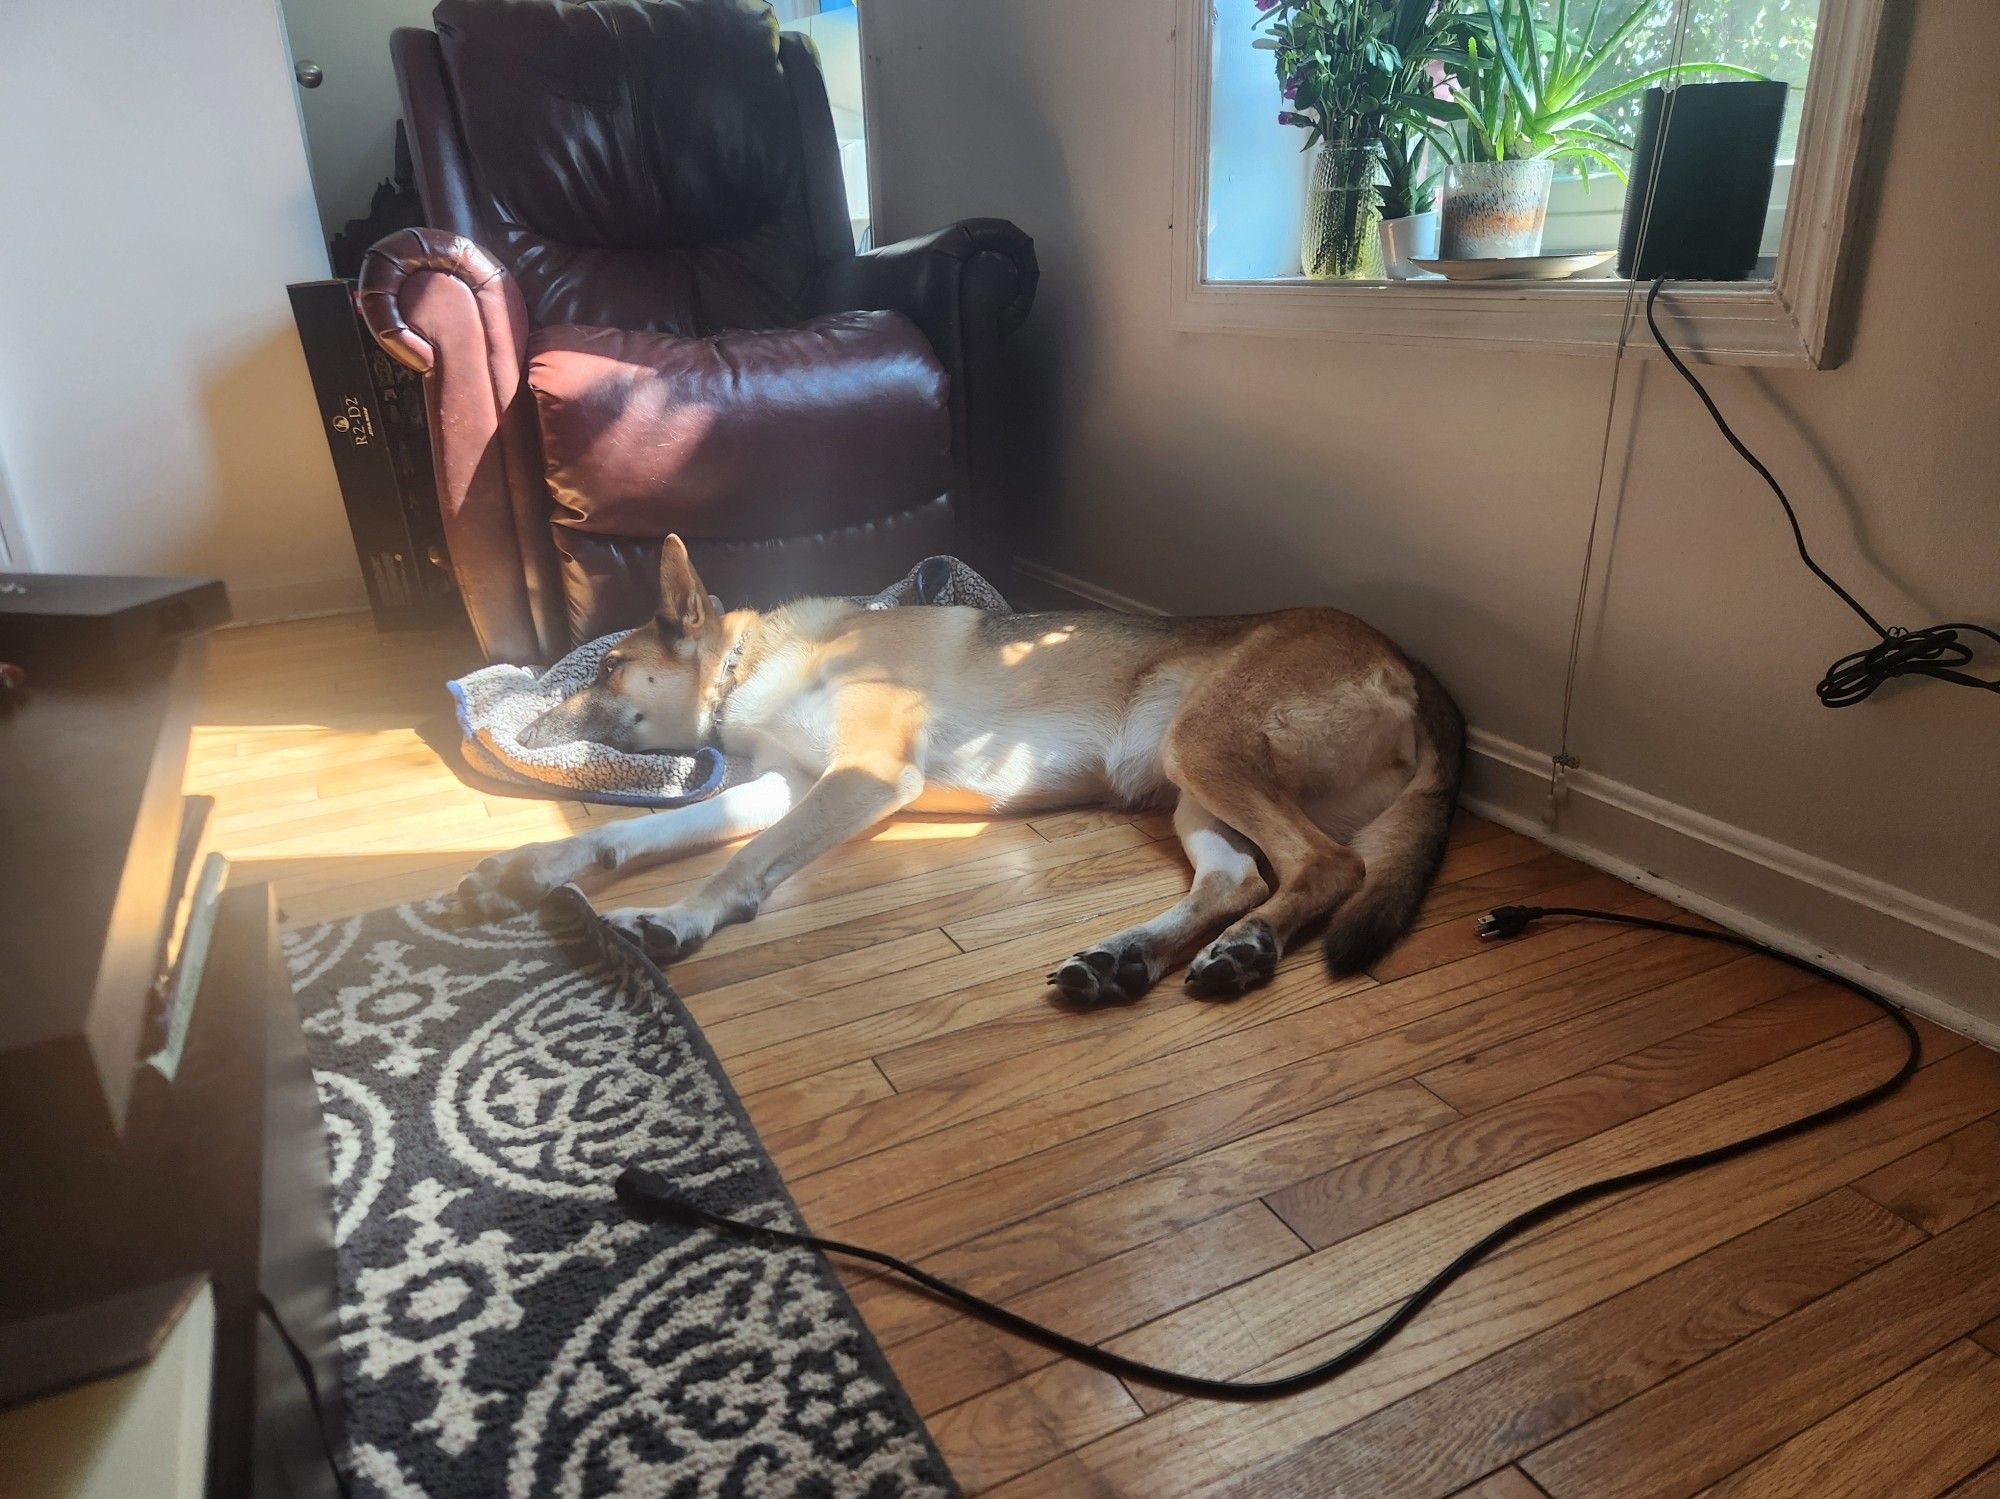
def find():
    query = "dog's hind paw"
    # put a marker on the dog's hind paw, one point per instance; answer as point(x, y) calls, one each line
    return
point(1233, 964)
point(1111, 973)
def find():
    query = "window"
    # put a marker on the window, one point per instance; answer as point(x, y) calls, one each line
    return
point(835, 29)
point(1242, 186)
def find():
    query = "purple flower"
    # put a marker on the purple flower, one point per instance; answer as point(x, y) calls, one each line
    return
point(1291, 89)
point(1286, 117)
point(1266, 4)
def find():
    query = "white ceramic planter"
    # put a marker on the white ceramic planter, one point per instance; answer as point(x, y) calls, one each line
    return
point(1495, 209)
point(1412, 238)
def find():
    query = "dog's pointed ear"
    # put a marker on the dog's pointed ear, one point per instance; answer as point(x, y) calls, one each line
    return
point(685, 605)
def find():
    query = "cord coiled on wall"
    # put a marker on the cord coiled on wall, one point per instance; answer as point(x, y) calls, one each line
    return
point(1936, 651)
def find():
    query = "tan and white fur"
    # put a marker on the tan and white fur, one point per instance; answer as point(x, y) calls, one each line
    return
point(1311, 766)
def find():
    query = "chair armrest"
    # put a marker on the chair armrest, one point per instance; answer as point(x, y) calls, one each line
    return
point(439, 304)
point(988, 263)
point(967, 286)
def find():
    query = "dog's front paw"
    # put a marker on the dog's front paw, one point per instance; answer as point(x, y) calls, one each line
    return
point(662, 933)
point(510, 883)
point(1235, 963)
point(1112, 973)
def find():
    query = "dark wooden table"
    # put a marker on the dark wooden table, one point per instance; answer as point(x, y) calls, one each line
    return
point(121, 1183)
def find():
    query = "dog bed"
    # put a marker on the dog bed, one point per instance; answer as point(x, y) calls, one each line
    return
point(497, 703)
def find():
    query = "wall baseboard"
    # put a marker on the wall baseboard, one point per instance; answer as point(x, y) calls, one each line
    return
point(1939, 962)
point(268, 603)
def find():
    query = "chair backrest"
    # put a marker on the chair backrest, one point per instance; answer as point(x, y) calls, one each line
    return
point(660, 164)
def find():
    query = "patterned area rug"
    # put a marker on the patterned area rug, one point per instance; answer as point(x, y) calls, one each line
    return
point(505, 1328)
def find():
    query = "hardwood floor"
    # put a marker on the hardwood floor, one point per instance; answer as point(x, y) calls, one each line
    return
point(1244, 1188)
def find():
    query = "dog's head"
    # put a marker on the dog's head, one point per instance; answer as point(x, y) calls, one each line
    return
point(651, 687)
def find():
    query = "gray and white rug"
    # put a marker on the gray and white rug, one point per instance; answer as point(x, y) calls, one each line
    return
point(505, 1328)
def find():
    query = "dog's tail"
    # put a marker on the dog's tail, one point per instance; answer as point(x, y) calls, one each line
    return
point(1402, 847)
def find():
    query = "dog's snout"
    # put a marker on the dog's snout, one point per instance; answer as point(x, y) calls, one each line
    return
point(581, 716)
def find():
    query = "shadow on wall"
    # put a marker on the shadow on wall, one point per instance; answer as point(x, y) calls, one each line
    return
point(273, 489)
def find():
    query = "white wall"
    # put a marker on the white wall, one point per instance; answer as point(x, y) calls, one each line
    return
point(155, 415)
point(1444, 493)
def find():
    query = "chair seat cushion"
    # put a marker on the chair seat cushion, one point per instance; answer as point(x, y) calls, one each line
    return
point(740, 435)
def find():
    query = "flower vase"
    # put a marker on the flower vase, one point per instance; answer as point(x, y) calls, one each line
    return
point(1343, 208)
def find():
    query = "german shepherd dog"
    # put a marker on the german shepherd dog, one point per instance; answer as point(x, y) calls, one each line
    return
point(1311, 766)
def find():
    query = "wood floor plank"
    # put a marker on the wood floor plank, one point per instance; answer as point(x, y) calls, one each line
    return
point(804, 985)
point(1192, 1446)
point(1061, 825)
point(763, 1033)
point(1066, 1172)
point(1945, 1183)
point(1508, 1483)
point(1018, 970)
point(962, 1357)
point(1093, 1067)
point(1496, 1074)
point(1258, 1322)
point(822, 1093)
point(1438, 942)
point(1134, 856)
point(909, 1192)
point(1356, 1197)
point(1915, 1436)
point(1057, 1241)
point(1166, 1021)
point(1989, 1336)
point(1702, 1424)
point(841, 923)
point(1985, 1484)
point(906, 851)
point(1503, 1407)
point(1020, 1426)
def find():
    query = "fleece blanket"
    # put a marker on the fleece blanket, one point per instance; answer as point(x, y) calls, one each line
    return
point(496, 703)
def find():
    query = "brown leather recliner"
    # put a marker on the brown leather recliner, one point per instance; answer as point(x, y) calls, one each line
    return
point(640, 311)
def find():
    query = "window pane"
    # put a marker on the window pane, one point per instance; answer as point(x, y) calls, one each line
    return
point(1257, 173)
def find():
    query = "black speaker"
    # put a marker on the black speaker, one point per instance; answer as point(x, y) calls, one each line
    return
point(373, 414)
point(1715, 152)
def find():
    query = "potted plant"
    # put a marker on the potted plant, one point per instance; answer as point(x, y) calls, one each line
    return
point(1429, 37)
point(1521, 103)
point(1336, 67)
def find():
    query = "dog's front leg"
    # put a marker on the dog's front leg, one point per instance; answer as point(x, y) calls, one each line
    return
point(507, 884)
point(849, 799)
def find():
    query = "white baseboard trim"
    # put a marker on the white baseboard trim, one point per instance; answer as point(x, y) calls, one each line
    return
point(1939, 962)
point(1082, 591)
point(312, 598)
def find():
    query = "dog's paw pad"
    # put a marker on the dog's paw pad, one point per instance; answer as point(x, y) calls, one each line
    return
point(1235, 963)
point(504, 885)
point(1105, 975)
point(658, 934)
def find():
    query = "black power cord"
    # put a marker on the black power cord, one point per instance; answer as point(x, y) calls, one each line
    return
point(1935, 651)
point(648, 1195)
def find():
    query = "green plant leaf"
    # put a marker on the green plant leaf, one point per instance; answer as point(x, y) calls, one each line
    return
point(1605, 97)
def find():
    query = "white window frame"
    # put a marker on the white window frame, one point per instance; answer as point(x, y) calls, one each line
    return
point(1797, 318)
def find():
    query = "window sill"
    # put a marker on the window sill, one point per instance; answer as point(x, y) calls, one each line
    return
point(1744, 322)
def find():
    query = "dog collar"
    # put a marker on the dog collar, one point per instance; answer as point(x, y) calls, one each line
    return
point(725, 683)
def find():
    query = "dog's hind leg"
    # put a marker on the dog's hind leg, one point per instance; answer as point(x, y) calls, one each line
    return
point(1314, 872)
point(507, 884)
point(1225, 885)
